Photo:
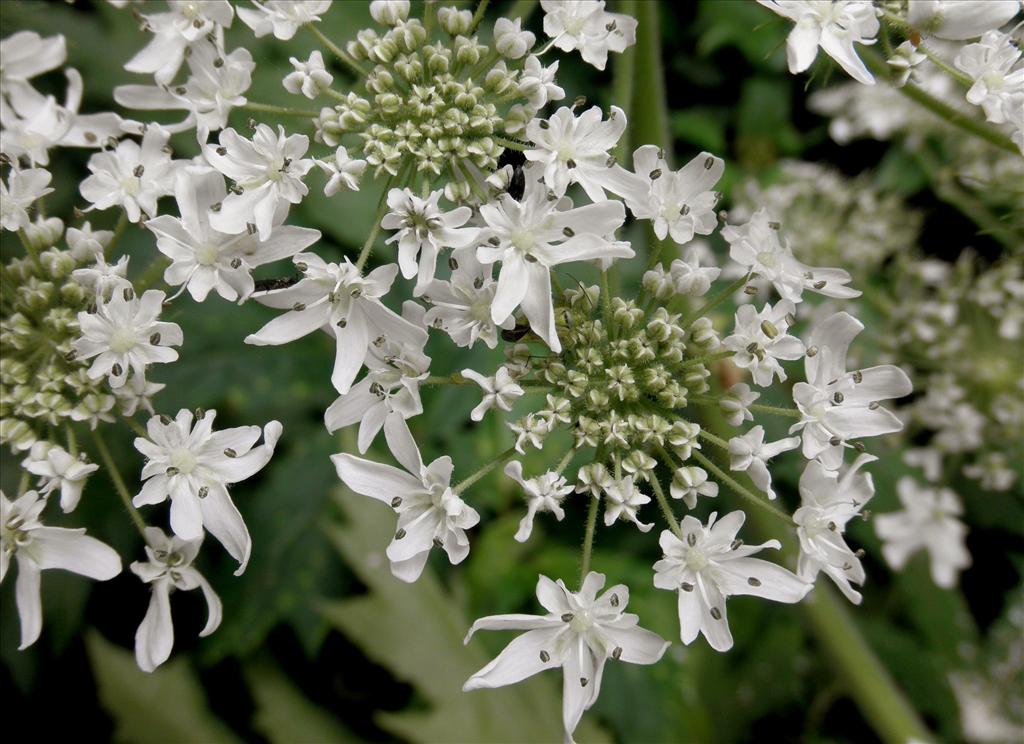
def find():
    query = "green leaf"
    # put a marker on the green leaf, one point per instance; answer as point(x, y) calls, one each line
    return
point(416, 631)
point(159, 707)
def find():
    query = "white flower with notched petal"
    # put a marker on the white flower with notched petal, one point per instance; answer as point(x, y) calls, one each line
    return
point(176, 30)
point(709, 564)
point(84, 242)
point(499, 391)
point(837, 406)
point(544, 493)
point(424, 230)
point(461, 306)
point(36, 547)
point(930, 521)
point(389, 12)
point(282, 17)
point(125, 336)
point(340, 300)
point(828, 502)
point(756, 246)
point(834, 25)
point(736, 402)
point(193, 466)
point(538, 84)
point(622, 500)
point(530, 237)
point(58, 470)
point(579, 633)
point(131, 175)
point(169, 567)
point(267, 172)
point(344, 173)
point(585, 25)
point(21, 191)
point(760, 340)
point(751, 453)
point(204, 259)
point(310, 77)
point(430, 513)
point(678, 203)
point(689, 482)
point(960, 19)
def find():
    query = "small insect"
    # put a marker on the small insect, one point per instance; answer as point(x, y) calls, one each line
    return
point(517, 183)
point(515, 334)
point(266, 285)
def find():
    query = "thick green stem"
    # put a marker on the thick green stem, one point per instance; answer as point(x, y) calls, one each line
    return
point(382, 208)
point(478, 16)
point(499, 460)
point(777, 410)
point(337, 51)
point(717, 299)
point(666, 508)
point(118, 481)
point(588, 538)
point(122, 225)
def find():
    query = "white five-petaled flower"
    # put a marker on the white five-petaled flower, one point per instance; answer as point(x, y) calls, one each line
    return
point(461, 306)
point(36, 547)
point(131, 175)
point(103, 279)
point(282, 17)
point(585, 25)
point(430, 513)
point(176, 30)
point(499, 391)
point(678, 203)
point(837, 406)
point(21, 191)
point(343, 173)
point(761, 339)
point(575, 149)
point(192, 465)
point(204, 259)
point(310, 78)
point(756, 246)
point(750, 452)
point(342, 302)
point(736, 402)
point(960, 19)
point(125, 336)
point(424, 230)
point(544, 493)
point(834, 25)
point(579, 633)
point(622, 500)
point(929, 520)
point(990, 64)
point(59, 470)
point(689, 482)
point(709, 564)
point(169, 567)
point(538, 83)
point(267, 172)
point(828, 502)
point(530, 237)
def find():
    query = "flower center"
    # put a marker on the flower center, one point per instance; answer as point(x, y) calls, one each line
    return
point(123, 340)
point(581, 622)
point(207, 254)
point(183, 460)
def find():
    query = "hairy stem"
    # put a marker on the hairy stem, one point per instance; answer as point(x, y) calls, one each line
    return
point(118, 481)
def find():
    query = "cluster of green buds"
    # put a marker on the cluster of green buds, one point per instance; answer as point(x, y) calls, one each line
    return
point(434, 103)
point(42, 384)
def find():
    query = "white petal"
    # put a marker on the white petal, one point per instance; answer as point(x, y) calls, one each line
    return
point(30, 607)
point(155, 637)
point(519, 659)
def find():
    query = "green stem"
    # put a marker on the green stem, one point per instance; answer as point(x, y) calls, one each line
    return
point(478, 16)
point(623, 80)
point(718, 299)
point(72, 440)
point(715, 440)
point(136, 427)
point(500, 459)
point(521, 9)
point(666, 508)
point(707, 358)
point(122, 225)
point(954, 73)
point(118, 481)
point(777, 410)
point(453, 379)
point(382, 208)
point(588, 538)
point(337, 51)
point(739, 489)
point(606, 305)
point(510, 144)
point(267, 108)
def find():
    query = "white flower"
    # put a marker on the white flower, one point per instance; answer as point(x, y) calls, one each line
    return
point(579, 633)
point(678, 203)
point(136, 395)
point(499, 391)
point(430, 513)
point(531, 429)
point(689, 482)
point(929, 459)
point(267, 171)
point(593, 479)
point(750, 453)
point(756, 246)
point(169, 567)
point(736, 402)
point(992, 471)
point(84, 242)
point(204, 259)
point(389, 12)
point(544, 493)
point(131, 175)
point(761, 339)
point(193, 466)
point(22, 189)
point(576, 150)
point(708, 565)
point(179, 28)
point(989, 63)
point(960, 19)
point(584, 25)
point(282, 17)
point(530, 237)
point(904, 59)
point(26, 55)
point(36, 548)
point(538, 84)
point(461, 307)
point(58, 470)
point(828, 503)
point(344, 173)
point(929, 520)
point(834, 26)
point(622, 500)
point(310, 78)
point(836, 405)
point(342, 302)
point(124, 335)
point(510, 40)
point(425, 230)
point(104, 279)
